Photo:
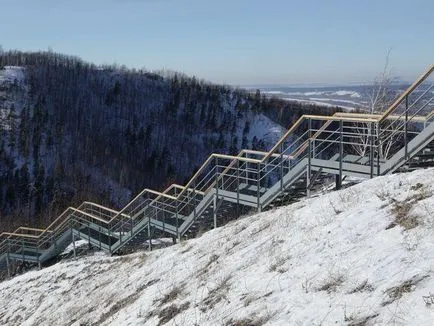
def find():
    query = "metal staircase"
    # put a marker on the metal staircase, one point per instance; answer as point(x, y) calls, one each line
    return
point(313, 149)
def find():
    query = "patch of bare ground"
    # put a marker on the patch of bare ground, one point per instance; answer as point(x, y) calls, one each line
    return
point(124, 302)
point(217, 294)
point(396, 292)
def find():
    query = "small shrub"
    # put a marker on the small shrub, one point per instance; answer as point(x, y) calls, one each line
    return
point(429, 299)
point(417, 186)
point(171, 295)
point(401, 211)
point(422, 193)
point(362, 321)
point(382, 194)
point(260, 228)
point(332, 283)
point(217, 294)
point(250, 321)
point(335, 209)
point(362, 287)
point(277, 264)
point(248, 299)
point(396, 292)
point(306, 284)
point(171, 311)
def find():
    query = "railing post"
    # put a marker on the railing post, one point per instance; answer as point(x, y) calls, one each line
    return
point(371, 151)
point(238, 186)
point(214, 211)
point(109, 234)
point(216, 196)
point(178, 236)
point(99, 235)
point(341, 154)
point(247, 171)
point(258, 185)
point(132, 226)
point(54, 242)
point(406, 130)
point(309, 158)
point(88, 232)
point(73, 243)
point(7, 259)
point(149, 233)
point(37, 257)
point(378, 149)
point(22, 246)
point(281, 167)
point(194, 200)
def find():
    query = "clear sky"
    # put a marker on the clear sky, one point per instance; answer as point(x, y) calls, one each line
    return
point(232, 41)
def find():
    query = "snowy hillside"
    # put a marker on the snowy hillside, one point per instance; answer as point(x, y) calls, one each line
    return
point(12, 95)
point(360, 256)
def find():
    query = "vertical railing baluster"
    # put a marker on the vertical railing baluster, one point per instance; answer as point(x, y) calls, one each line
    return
point(216, 195)
point(281, 167)
point(309, 156)
point(258, 186)
point(406, 130)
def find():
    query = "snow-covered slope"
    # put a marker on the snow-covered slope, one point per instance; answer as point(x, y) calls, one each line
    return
point(360, 256)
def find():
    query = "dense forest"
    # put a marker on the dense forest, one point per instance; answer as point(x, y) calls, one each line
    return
point(73, 131)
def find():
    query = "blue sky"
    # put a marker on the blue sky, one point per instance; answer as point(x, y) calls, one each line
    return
point(237, 42)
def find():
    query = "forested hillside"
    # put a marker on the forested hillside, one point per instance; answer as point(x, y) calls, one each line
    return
point(73, 131)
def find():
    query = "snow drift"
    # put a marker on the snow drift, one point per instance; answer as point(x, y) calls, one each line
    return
point(360, 256)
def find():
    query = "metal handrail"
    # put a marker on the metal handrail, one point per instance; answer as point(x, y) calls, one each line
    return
point(406, 93)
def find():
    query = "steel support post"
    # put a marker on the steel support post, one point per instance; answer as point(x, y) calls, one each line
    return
point(258, 185)
point(194, 201)
point(238, 187)
point(99, 235)
point(281, 167)
point(132, 226)
point(378, 149)
point(73, 243)
point(149, 234)
point(247, 171)
point(22, 251)
point(109, 233)
point(216, 196)
point(7, 260)
point(371, 150)
point(214, 211)
point(88, 232)
point(37, 257)
point(54, 242)
point(157, 216)
point(8, 264)
point(341, 155)
point(406, 130)
point(178, 236)
point(309, 157)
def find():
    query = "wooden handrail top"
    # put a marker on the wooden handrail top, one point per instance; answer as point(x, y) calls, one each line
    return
point(189, 189)
point(161, 194)
point(21, 235)
point(251, 151)
point(413, 86)
point(419, 118)
point(31, 229)
point(100, 206)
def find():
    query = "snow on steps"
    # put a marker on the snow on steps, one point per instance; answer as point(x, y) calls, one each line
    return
point(337, 259)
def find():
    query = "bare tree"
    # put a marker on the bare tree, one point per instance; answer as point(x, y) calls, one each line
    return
point(380, 97)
